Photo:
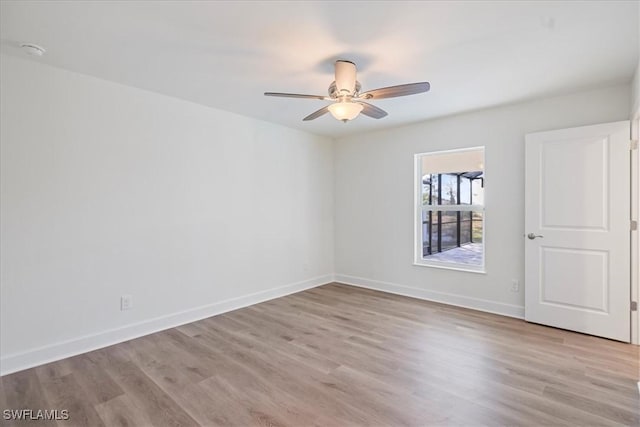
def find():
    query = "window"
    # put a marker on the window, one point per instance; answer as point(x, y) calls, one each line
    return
point(450, 209)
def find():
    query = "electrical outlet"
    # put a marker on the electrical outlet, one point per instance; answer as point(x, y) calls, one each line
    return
point(126, 302)
point(515, 285)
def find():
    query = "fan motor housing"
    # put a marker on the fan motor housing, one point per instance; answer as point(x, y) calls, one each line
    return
point(333, 90)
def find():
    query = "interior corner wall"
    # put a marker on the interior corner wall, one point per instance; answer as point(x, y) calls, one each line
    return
point(109, 190)
point(374, 202)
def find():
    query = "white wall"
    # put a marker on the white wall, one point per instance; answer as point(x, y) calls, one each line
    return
point(110, 190)
point(374, 197)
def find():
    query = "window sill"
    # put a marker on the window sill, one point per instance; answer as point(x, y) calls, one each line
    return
point(450, 266)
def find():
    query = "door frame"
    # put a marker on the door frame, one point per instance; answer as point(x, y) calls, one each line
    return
point(635, 244)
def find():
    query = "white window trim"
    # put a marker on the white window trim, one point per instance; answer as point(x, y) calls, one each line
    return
point(417, 221)
point(444, 208)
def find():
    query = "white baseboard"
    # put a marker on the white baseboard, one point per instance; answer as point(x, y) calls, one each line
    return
point(50, 353)
point(503, 309)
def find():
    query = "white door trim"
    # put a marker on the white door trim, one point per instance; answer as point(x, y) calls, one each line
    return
point(635, 247)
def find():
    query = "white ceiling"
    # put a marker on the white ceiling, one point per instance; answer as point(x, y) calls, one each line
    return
point(226, 54)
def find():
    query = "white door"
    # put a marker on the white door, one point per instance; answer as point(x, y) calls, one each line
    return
point(577, 229)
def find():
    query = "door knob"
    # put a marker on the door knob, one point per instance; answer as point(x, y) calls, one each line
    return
point(532, 236)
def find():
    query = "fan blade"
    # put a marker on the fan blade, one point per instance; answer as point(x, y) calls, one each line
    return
point(372, 111)
point(393, 91)
point(316, 114)
point(294, 95)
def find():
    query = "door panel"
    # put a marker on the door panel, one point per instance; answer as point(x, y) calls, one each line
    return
point(577, 194)
point(588, 268)
point(588, 161)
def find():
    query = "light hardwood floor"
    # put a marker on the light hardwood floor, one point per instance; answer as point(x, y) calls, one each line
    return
point(340, 356)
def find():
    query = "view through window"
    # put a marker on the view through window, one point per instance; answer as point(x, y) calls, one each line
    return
point(450, 214)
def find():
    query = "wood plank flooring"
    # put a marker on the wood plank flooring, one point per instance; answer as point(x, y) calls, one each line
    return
point(341, 356)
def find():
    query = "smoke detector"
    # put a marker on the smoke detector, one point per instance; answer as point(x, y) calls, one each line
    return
point(33, 49)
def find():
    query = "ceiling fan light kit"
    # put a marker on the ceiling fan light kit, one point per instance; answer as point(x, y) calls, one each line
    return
point(348, 102)
point(345, 110)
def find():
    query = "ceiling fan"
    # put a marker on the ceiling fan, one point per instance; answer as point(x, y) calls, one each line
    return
point(347, 99)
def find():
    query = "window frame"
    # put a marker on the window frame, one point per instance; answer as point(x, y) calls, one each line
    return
point(419, 209)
